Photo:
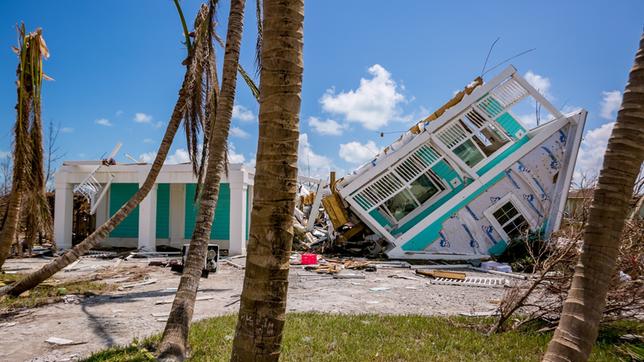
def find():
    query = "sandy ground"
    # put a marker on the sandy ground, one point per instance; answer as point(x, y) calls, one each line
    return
point(116, 318)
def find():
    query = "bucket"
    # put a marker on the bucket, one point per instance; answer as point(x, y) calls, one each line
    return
point(308, 259)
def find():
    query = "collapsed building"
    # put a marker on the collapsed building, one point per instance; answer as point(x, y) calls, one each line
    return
point(465, 181)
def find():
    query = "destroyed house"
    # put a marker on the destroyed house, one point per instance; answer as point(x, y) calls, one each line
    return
point(471, 177)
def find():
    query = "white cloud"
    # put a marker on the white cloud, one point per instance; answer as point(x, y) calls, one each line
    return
point(358, 153)
point(311, 163)
point(243, 114)
point(239, 133)
point(233, 156)
point(148, 140)
point(66, 130)
point(180, 155)
point(373, 104)
point(119, 113)
point(591, 152)
point(104, 122)
point(142, 118)
point(328, 127)
point(4, 154)
point(610, 103)
point(159, 124)
point(540, 83)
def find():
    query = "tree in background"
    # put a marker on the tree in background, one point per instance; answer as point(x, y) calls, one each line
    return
point(175, 335)
point(577, 331)
point(189, 110)
point(28, 177)
point(258, 334)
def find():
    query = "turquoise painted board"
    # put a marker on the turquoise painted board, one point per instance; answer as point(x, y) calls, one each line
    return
point(498, 248)
point(444, 171)
point(163, 211)
point(509, 124)
point(221, 222)
point(119, 195)
point(430, 233)
point(380, 218)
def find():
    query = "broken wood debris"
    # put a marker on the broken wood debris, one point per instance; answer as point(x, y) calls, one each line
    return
point(442, 274)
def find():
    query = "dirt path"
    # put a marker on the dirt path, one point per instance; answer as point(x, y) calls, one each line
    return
point(121, 316)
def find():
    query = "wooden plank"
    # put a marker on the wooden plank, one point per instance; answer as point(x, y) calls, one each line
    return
point(442, 274)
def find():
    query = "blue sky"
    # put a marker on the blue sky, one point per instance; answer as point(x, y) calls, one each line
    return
point(369, 67)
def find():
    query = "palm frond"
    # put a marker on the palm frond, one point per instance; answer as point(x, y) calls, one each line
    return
point(201, 90)
point(260, 30)
point(247, 78)
point(249, 81)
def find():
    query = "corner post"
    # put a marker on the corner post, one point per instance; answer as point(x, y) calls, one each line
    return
point(63, 211)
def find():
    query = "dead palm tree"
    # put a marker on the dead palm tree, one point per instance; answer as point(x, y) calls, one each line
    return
point(31, 51)
point(196, 87)
point(261, 318)
point(34, 204)
point(175, 335)
point(582, 311)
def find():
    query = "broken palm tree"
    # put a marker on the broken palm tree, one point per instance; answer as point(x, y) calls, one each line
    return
point(27, 195)
point(462, 183)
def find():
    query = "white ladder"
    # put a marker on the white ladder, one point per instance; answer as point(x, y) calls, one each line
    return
point(91, 189)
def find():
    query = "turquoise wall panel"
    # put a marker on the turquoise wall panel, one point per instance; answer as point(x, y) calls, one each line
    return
point(379, 217)
point(120, 193)
point(447, 173)
point(509, 124)
point(221, 223)
point(163, 211)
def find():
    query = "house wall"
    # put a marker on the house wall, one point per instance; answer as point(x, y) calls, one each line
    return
point(119, 194)
point(126, 233)
point(221, 221)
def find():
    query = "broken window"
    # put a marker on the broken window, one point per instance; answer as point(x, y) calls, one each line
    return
point(401, 204)
point(511, 220)
point(423, 188)
point(417, 193)
point(473, 138)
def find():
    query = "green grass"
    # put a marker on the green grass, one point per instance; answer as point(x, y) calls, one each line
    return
point(48, 292)
point(321, 337)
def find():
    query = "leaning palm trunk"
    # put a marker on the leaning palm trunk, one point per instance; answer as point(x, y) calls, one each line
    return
point(258, 334)
point(192, 87)
point(32, 50)
point(582, 311)
point(175, 335)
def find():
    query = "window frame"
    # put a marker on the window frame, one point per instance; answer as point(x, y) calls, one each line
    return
point(433, 178)
point(474, 133)
point(518, 206)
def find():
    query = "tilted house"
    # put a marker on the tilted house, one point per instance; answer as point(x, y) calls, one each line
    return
point(467, 180)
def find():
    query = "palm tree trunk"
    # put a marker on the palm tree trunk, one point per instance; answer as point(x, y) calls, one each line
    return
point(21, 154)
point(175, 335)
point(258, 334)
point(582, 311)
